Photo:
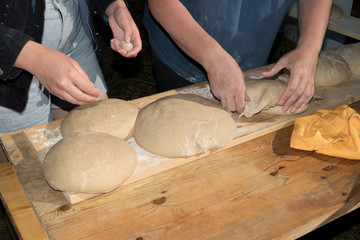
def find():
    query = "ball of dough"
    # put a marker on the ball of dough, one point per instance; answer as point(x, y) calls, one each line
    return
point(351, 54)
point(183, 125)
point(331, 70)
point(336, 12)
point(125, 45)
point(89, 162)
point(113, 116)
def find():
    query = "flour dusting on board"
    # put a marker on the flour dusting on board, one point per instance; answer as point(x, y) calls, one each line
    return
point(201, 91)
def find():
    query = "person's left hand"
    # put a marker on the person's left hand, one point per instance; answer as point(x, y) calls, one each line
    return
point(302, 65)
point(123, 28)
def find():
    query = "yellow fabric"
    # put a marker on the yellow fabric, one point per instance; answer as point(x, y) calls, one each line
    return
point(331, 132)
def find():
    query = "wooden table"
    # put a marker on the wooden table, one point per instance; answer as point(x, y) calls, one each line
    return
point(259, 189)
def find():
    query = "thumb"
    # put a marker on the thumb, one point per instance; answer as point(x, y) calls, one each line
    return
point(274, 70)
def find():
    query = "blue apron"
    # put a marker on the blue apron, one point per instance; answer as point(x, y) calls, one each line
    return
point(245, 29)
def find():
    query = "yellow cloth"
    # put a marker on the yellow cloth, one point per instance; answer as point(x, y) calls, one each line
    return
point(331, 132)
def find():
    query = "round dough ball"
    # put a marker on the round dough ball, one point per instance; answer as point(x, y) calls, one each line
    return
point(331, 70)
point(183, 125)
point(89, 162)
point(351, 54)
point(336, 12)
point(113, 116)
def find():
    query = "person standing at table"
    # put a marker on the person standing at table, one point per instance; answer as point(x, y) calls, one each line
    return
point(48, 56)
point(206, 40)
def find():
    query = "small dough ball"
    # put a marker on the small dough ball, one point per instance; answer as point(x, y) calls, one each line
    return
point(351, 54)
point(331, 70)
point(183, 125)
point(113, 116)
point(89, 162)
point(336, 12)
point(125, 45)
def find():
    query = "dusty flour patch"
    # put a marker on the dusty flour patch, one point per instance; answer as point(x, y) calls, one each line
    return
point(200, 91)
point(146, 160)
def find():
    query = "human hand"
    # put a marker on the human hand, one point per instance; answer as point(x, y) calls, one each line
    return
point(123, 28)
point(300, 89)
point(58, 73)
point(227, 83)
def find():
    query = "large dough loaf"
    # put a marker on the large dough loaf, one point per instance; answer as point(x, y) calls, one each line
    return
point(351, 54)
point(89, 162)
point(113, 116)
point(183, 125)
point(331, 70)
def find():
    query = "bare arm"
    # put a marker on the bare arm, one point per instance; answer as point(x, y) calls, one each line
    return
point(225, 76)
point(58, 73)
point(313, 20)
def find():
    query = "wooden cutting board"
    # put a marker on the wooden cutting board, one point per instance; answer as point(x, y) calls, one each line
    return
point(44, 136)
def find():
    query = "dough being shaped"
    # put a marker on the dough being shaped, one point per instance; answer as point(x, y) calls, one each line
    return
point(89, 162)
point(265, 95)
point(331, 70)
point(336, 12)
point(277, 110)
point(113, 116)
point(351, 54)
point(183, 125)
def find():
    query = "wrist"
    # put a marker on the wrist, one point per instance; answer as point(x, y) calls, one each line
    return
point(28, 56)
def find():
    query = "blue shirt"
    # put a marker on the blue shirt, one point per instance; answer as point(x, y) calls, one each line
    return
point(246, 29)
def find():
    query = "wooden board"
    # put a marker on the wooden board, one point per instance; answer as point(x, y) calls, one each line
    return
point(43, 137)
point(260, 190)
point(18, 206)
point(346, 25)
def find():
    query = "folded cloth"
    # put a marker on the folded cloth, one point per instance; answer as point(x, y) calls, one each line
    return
point(330, 132)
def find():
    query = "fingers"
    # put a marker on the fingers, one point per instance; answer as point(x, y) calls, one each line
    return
point(233, 103)
point(75, 87)
point(115, 45)
point(275, 69)
point(298, 92)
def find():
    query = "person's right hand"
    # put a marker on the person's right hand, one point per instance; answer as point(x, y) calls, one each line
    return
point(58, 73)
point(227, 82)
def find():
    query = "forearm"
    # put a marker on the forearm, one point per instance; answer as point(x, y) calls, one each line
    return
point(111, 8)
point(185, 31)
point(313, 21)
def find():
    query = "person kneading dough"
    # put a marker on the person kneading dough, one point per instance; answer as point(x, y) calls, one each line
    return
point(112, 116)
point(183, 125)
point(89, 162)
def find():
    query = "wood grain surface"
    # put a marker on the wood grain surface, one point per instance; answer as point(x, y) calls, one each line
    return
point(260, 189)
